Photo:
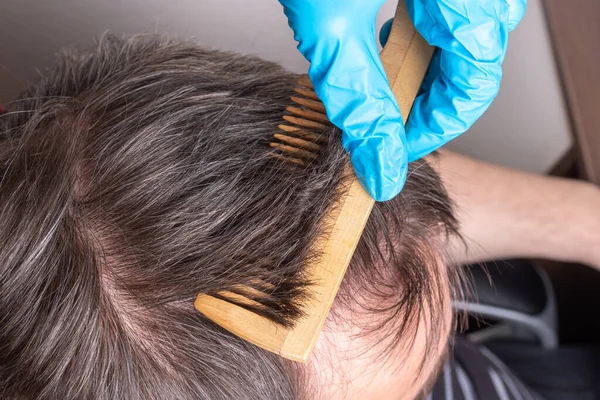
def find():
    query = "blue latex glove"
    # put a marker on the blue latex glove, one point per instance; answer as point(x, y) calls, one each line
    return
point(465, 72)
point(338, 39)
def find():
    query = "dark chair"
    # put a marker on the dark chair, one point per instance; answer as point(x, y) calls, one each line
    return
point(515, 316)
point(511, 299)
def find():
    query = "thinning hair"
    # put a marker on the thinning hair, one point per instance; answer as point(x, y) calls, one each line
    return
point(137, 175)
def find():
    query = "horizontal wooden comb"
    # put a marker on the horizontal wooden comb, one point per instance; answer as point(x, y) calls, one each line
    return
point(405, 58)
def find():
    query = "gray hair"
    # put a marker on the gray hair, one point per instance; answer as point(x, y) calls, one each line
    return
point(138, 175)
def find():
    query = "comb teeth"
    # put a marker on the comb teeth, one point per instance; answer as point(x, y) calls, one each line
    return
point(301, 137)
point(314, 105)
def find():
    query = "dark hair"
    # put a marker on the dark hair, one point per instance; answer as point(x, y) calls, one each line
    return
point(138, 175)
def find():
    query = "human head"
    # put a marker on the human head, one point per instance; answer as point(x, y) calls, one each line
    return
point(138, 175)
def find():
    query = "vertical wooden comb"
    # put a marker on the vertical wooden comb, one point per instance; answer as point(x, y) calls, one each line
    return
point(405, 58)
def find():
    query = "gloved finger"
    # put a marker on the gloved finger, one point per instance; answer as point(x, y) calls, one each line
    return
point(464, 79)
point(360, 101)
point(516, 10)
point(379, 160)
point(338, 38)
point(352, 83)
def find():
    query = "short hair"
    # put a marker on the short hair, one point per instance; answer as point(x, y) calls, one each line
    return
point(137, 175)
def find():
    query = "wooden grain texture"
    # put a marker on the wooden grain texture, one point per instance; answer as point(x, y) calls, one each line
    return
point(405, 58)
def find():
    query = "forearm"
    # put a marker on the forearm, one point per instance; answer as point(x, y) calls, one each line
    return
point(507, 213)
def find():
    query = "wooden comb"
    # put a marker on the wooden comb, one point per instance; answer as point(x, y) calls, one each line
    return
point(405, 58)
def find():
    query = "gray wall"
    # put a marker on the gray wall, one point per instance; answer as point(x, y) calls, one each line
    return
point(525, 127)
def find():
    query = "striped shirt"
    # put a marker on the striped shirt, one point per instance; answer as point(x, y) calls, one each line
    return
point(475, 373)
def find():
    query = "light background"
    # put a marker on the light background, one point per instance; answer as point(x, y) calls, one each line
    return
point(526, 127)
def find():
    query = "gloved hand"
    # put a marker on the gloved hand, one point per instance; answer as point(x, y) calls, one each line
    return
point(338, 39)
point(465, 72)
